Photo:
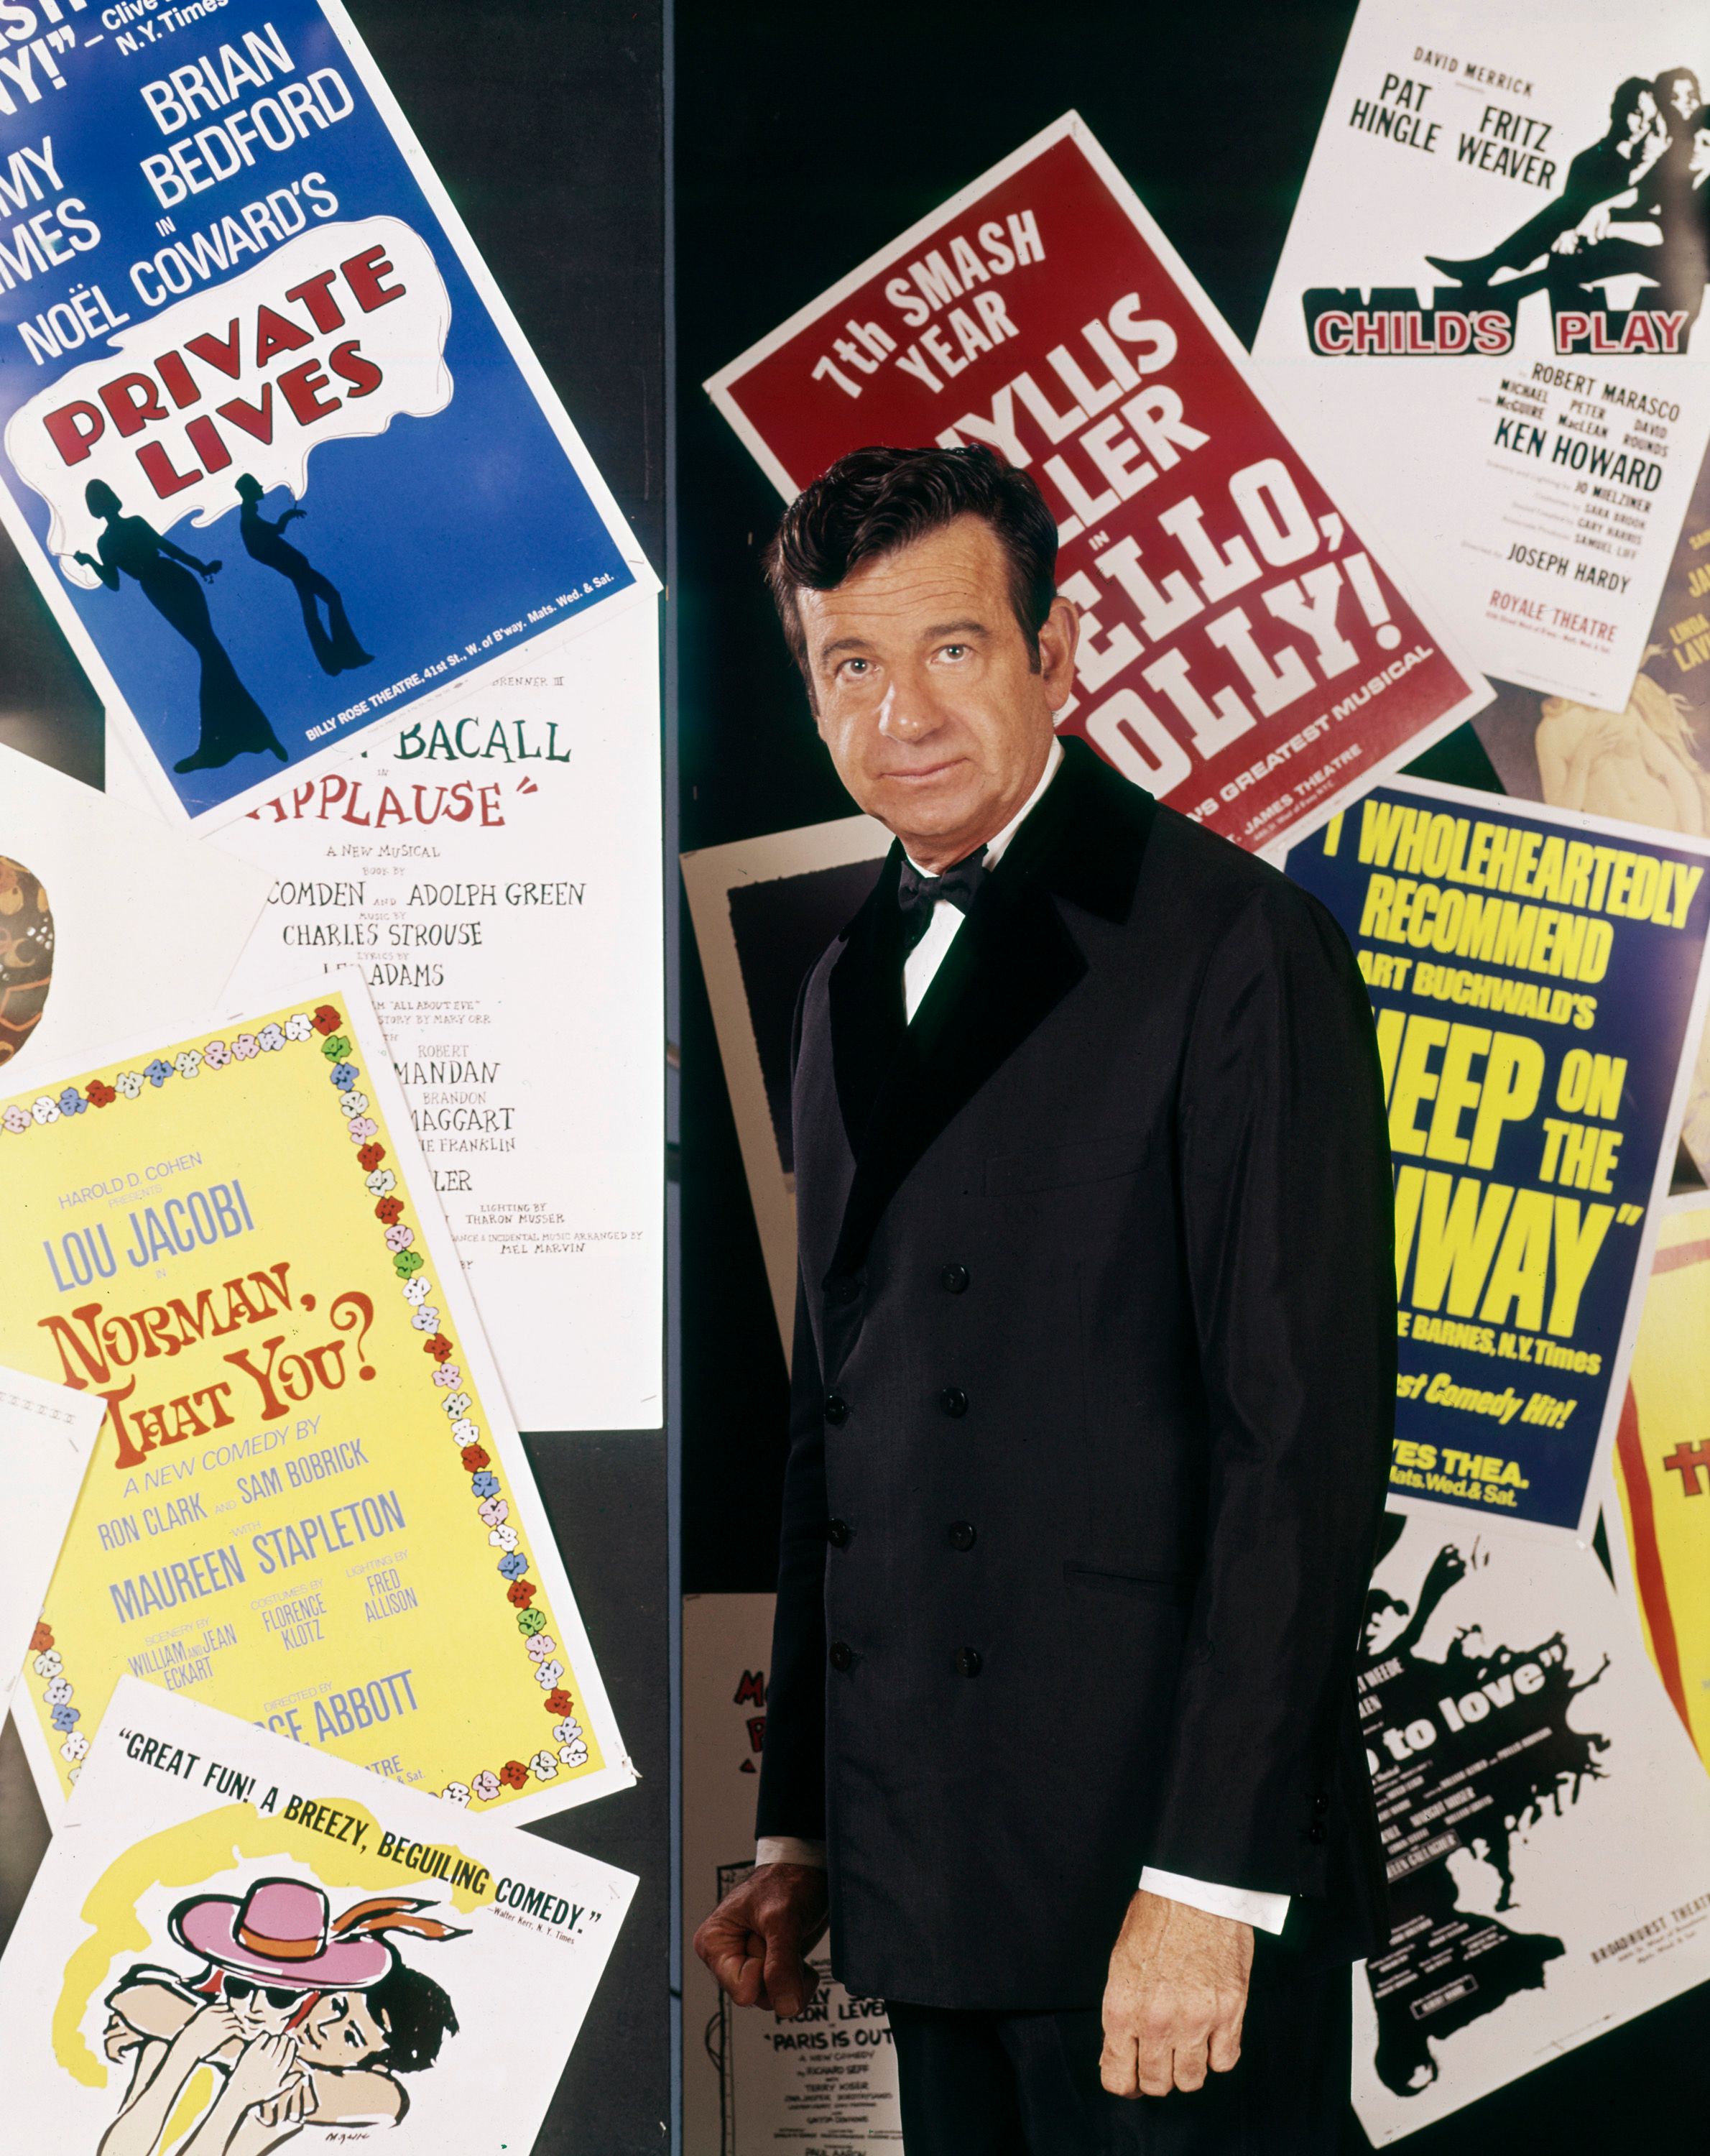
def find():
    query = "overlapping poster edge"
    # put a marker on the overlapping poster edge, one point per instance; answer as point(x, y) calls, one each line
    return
point(644, 582)
point(720, 388)
point(1597, 1477)
point(566, 1794)
point(710, 875)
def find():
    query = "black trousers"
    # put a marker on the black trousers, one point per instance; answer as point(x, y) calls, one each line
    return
point(988, 2084)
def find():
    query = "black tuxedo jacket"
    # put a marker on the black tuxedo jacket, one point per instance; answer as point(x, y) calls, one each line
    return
point(1091, 1402)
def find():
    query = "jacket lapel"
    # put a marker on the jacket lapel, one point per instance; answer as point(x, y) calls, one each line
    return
point(1009, 966)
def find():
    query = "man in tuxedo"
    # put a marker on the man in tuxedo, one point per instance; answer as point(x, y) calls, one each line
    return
point(1092, 1394)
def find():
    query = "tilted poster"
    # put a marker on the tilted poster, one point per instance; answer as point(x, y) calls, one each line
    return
point(1545, 1820)
point(307, 1505)
point(495, 873)
point(1661, 1479)
point(1247, 653)
point(240, 1945)
point(1538, 981)
point(274, 447)
point(1486, 320)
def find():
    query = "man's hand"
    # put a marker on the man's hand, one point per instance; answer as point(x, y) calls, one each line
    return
point(757, 1940)
point(1174, 1998)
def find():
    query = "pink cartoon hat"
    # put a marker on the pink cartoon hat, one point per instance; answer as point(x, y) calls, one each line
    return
point(282, 1931)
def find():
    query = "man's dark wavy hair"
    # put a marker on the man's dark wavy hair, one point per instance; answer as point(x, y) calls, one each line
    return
point(874, 500)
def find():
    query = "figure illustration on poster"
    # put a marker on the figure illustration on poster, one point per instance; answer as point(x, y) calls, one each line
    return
point(307, 2018)
point(232, 723)
point(1633, 205)
point(1503, 1777)
point(333, 642)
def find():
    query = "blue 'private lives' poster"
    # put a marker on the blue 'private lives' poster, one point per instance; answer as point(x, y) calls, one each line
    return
point(1538, 982)
point(274, 446)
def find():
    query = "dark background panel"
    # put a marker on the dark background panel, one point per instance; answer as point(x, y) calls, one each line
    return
point(545, 122)
point(806, 140)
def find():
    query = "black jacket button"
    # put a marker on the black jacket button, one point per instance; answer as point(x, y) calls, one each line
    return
point(961, 1535)
point(952, 1279)
point(968, 1663)
point(842, 1288)
point(1315, 1834)
point(1321, 1803)
point(837, 1408)
point(953, 1400)
point(842, 1655)
point(838, 1533)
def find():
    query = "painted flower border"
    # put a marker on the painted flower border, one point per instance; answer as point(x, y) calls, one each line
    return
point(569, 1750)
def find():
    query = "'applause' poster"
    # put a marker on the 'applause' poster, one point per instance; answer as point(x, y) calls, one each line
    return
point(307, 1504)
point(1545, 1821)
point(274, 448)
point(1246, 653)
point(1489, 314)
point(494, 872)
point(1536, 978)
point(237, 1945)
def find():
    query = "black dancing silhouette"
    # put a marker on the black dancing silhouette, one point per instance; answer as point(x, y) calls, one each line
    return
point(232, 723)
point(333, 643)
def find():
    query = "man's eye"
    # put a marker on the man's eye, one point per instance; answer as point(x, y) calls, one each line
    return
point(955, 650)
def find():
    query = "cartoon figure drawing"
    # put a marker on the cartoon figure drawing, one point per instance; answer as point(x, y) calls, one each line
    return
point(232, 723)
point(306, 2018)
point(333, 642)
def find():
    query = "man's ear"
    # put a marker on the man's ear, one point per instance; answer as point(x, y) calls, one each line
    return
point(1057, 638)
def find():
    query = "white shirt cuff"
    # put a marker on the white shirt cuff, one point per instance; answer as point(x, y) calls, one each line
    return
point(789, 1849)
point(1265, 1913)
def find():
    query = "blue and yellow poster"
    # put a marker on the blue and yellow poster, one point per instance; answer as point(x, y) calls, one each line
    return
point(1535, 976)
point(274, 447)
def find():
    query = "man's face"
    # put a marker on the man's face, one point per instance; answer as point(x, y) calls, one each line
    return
point(342, 2031)
point(1682, 97)
point(1642, 117)
point(925, 690)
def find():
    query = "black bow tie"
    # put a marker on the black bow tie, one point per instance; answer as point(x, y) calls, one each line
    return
point(917, 894)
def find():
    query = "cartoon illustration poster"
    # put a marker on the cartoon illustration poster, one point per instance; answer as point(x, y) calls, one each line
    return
point(1537, 978)
point(308, 1506)
point(47, 1433)
point(751, 2083)
point(495, 873)
point(1662, 1465)
point(1489, 311)
point(1547, 1824)
point(1247, 653)
point(274, 447)
point(245, 1945)
point(107, 919)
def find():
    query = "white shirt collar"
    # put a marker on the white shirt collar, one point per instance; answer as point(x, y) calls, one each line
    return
point(995, 851)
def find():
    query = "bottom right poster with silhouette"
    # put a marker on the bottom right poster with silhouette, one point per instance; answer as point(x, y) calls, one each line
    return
point(1546, 1818)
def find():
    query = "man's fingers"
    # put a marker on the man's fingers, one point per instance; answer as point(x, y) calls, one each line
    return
point(1116, 2062)
point(1226, 2042)
point(1155, 2055)
point(788, 1983)
point(1189, 2056)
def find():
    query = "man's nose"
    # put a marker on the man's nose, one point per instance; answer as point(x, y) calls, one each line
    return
point(907, 712)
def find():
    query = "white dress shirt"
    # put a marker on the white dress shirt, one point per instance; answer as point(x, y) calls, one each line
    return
point(1265, 1913)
